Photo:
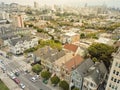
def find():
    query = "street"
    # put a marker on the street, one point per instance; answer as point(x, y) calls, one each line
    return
point(13, 66)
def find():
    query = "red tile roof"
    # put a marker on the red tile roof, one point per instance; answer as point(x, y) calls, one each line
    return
point(71, 47)
point(73, 63)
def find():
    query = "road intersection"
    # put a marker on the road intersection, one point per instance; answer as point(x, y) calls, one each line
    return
point(13, 66)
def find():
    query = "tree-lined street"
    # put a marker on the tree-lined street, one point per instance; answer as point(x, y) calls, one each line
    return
point(13, 66)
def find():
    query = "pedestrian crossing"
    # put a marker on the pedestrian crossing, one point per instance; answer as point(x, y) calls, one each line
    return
point(15, 70)
point(6, 63)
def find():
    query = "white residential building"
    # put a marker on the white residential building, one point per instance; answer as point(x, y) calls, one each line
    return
point(4, 15)
point(114, 77)
point(19, 45)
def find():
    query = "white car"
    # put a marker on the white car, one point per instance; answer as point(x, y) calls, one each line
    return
point(11, 75)
point(36, 76)
point(22, 85)
point(33, 79)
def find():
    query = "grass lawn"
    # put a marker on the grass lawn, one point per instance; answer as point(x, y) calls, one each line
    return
point(3, 86)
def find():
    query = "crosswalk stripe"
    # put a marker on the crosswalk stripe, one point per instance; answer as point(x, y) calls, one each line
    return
point(15, 70)
point(6, 63)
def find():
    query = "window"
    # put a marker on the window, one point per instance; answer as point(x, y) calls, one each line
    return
point(116, 64)
point(115, 80)
point(117, 73)
point(110, 85)
point(118, 81)
point(112, 78)
point(114, 71)
point(116, 88)
point(91, 84)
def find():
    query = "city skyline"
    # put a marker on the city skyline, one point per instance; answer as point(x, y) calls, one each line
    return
point(109, 3)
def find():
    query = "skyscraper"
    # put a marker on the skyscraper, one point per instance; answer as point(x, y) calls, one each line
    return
point(18, 21)
point(114, 77)
point(36, 5)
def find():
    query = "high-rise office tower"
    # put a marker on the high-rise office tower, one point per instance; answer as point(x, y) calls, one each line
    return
point(36, 5)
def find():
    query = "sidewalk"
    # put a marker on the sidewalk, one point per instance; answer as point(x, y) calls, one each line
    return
point(52, 87)
point(8, 82)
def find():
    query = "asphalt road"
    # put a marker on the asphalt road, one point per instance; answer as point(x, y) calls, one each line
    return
point(13, 65)
point(26, 79)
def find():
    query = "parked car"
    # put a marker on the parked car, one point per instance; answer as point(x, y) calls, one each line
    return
point(11, 75)
point(1, 61)
point(27, 71)
point(45, 81)
point(33, 79)
point(17, 74)
point(16, 80)
point(22, 85)
point(3, 68)
point(36, 76)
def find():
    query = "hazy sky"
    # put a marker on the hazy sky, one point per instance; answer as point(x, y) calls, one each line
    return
point(115, 3)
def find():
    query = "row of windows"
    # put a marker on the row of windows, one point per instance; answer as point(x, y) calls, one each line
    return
point(115, 80)
point(117, 64)
point(113, 86)
point(89, 84)
point(115, 72)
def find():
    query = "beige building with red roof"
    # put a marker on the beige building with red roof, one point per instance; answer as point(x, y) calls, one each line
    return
point(67, 63)
point(74, 49)
point(73, 63)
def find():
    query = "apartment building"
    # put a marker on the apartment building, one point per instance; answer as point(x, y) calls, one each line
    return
point(114, 77)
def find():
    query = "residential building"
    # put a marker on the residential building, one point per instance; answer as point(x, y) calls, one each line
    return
point(113, 82)
point(59, 70)
point(88, 76)
point(117, 43)
point(6, 37)
point(116, 33)
point(70, 37)
point(46, 17)
point(105, 41)
point(70, 65)
point(1, 43)
point(95, 77)
point(43, 36)
point(4, 15)
point(78, 74)
point(41, 51)
point(71, 48)
point(19, 45)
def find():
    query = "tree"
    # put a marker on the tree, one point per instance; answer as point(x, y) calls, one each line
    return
point(46, 75)
point(82, 35)
point(94, 59)
point(37, 68)
point(55, 80)
point(64, 85)
point(101, 52)
point(76, 89)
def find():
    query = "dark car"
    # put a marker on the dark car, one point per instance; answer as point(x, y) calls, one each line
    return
point(45, 81)
point(17, 74)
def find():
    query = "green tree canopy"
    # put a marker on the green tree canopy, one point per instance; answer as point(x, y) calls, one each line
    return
point(37, 68)
point(76, 89)
point(55, 80)
point(64, 85)
point(82, 35)
point(102, 52)
point(45, 74)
